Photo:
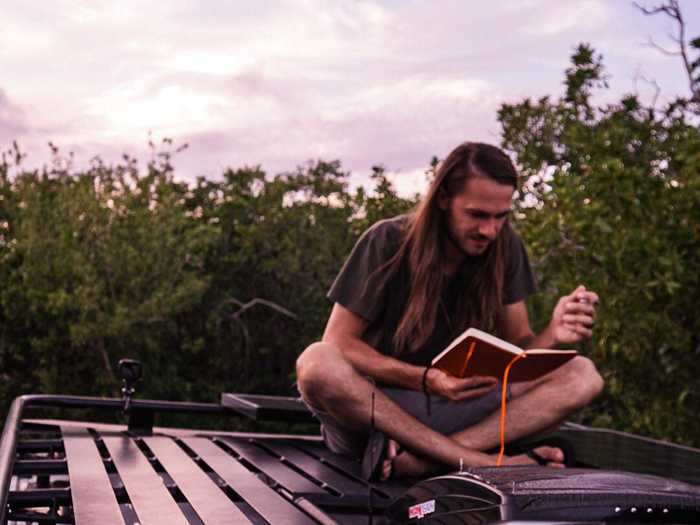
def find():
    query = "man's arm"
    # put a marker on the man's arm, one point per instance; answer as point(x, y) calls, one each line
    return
point(344, 329)
point(572, 321)
point(515, 325)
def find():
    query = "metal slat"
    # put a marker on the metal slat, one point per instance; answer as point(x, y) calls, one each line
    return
point(315, 468)
point(393, 487)
point(94, 501)
point(39, 445)
point(272, 467)
point(152, 501)
point(40, 466)
point(266, 408)
point(205, 496)
point(40, 497)
point(266, 502)
point(353, 466)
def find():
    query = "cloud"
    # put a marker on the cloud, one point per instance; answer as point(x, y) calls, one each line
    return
point(564, 17)
point(12, 120)
point(279, 82)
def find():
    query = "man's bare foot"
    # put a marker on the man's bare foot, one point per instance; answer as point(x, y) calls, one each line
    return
point(553, 456)
point(401, 463)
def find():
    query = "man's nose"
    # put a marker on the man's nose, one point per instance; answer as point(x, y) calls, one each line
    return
point(489, 228)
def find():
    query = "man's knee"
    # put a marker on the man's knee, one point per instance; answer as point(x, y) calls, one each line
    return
point(320, 368)
point(583, 382)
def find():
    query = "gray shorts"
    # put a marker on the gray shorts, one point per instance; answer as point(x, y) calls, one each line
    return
point(446, 417)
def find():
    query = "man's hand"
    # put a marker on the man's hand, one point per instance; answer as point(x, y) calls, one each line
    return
point(457, 389)
point(573, 316)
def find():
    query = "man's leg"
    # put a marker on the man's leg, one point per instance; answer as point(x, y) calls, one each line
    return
point(533, 408)
point(329, 382)
point(538, 405)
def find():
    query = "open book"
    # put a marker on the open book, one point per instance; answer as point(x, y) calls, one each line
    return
point(476, 353)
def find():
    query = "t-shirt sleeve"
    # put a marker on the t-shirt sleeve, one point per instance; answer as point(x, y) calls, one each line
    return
point(519, 279)
point(355, 287)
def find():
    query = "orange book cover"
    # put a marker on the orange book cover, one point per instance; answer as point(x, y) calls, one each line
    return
point(477, 353)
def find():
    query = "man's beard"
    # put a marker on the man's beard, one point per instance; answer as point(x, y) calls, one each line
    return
point(460, 247)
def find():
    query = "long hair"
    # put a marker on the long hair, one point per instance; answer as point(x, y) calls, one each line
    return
point(423, 249)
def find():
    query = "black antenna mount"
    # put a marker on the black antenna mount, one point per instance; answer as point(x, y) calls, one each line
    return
point(140, 419)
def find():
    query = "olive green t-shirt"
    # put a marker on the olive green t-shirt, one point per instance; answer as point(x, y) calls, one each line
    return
point(382, 307)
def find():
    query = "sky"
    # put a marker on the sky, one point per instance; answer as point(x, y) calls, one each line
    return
point(279, 82)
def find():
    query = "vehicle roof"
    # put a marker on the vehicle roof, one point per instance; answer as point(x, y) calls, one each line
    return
point(65, 471)
point(184, 476)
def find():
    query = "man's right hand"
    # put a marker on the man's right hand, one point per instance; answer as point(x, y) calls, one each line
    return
point(457, 389)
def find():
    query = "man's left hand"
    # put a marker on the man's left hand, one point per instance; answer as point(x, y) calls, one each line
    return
point(574, 316)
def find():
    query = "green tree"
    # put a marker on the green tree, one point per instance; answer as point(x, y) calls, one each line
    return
point(216, 286)
point(98, 265)
point(610, 199)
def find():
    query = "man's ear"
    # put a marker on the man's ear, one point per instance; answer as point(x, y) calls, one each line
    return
point(443, 200)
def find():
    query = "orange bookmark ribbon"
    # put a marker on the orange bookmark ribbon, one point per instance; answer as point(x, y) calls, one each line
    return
point(504, 400)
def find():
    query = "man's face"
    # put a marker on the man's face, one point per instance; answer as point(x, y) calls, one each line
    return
point(476, 215)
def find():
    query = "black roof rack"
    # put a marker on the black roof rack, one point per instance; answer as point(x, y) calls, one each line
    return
point(60, 471)
point(63, 471)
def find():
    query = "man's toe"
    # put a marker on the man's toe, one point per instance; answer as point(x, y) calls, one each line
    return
point(552, 455)
point(388, 463)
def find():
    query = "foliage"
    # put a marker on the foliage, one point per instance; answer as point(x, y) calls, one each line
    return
point(215, 286)
point(611, 199)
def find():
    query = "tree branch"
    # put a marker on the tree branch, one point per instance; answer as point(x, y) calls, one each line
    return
point(651, 43)
point(663, 8)
point(673, 10)
point(242, 307)
point(657, 88)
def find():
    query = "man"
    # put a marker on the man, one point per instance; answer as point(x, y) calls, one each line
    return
point(410, 286)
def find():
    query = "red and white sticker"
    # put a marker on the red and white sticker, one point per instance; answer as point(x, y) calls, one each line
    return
point(422, 509)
